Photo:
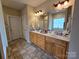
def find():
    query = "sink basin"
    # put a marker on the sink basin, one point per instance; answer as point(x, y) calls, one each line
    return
point(56, 33)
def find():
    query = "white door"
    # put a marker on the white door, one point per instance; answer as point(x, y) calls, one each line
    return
point(15, 27)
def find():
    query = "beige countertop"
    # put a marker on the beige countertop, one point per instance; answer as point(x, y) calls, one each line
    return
point(53, 36)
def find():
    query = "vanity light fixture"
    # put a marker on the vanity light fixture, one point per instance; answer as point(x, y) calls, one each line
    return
point(66, 4)
point(62, 5)
point(38, 13)
point(59, 6)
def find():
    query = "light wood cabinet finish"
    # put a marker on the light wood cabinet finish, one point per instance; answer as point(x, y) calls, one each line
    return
point(49, 46)
point(41, 41)
point(33, 38)
point(38, 40)
point(60, 51)
point(52, 46)
point(57, 47)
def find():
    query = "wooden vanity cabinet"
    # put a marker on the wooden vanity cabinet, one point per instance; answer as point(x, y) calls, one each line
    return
point(52, 46)
point(61, 49)
point(56, 47)
point(33, 38)
point(49, 46)
point(38, 40)
point(41, 41)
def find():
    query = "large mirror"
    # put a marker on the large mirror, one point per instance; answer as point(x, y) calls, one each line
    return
point(55, 20)
point(59, 20)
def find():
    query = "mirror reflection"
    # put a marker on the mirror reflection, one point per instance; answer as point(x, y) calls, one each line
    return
point(58, 20)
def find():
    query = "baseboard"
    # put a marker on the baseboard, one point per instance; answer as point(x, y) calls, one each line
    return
point(16, 39)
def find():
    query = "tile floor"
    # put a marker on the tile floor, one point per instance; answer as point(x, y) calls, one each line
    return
point(23, 50)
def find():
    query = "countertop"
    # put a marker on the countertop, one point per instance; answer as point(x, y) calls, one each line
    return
point(53, 36)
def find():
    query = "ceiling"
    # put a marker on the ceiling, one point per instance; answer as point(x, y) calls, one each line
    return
point(33, 3)
point(12, 4)
point(19, 4)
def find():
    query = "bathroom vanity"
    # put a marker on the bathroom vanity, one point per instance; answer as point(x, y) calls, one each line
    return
point(52, 44)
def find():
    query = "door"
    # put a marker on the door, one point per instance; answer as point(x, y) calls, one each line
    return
point(15, 27)
point(1, 49)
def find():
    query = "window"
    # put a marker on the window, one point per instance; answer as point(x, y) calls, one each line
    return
point(58, 23)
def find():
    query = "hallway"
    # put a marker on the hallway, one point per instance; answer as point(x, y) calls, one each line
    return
point(22, 50)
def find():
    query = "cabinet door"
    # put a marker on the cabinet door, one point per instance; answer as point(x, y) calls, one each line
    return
point(41, 41)
point(49, 46)
point(33, 37)
point(60, 51)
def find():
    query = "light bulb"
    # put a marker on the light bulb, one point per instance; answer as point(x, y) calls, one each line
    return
point(59, 6)
point(66, 4)
point(39, 13)
point(35, 14)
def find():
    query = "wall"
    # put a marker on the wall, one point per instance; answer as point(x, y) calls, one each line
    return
point(9, 11)
point(30, 15)
point(24, 21)
point(2, 31)
point(57, 15)
point(74, 42)
point(27, 18)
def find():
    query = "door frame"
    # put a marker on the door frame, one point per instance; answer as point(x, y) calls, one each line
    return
point(1, 46)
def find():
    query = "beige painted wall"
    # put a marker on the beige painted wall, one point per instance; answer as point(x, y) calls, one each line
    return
point(30, 14)
point(11, 11)
point(27, 20)
point(58, 15)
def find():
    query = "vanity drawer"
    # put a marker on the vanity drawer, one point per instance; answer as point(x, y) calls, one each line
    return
point(60, 42)
point(57, 41)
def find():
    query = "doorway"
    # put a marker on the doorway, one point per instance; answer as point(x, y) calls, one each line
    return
point(14, 27)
